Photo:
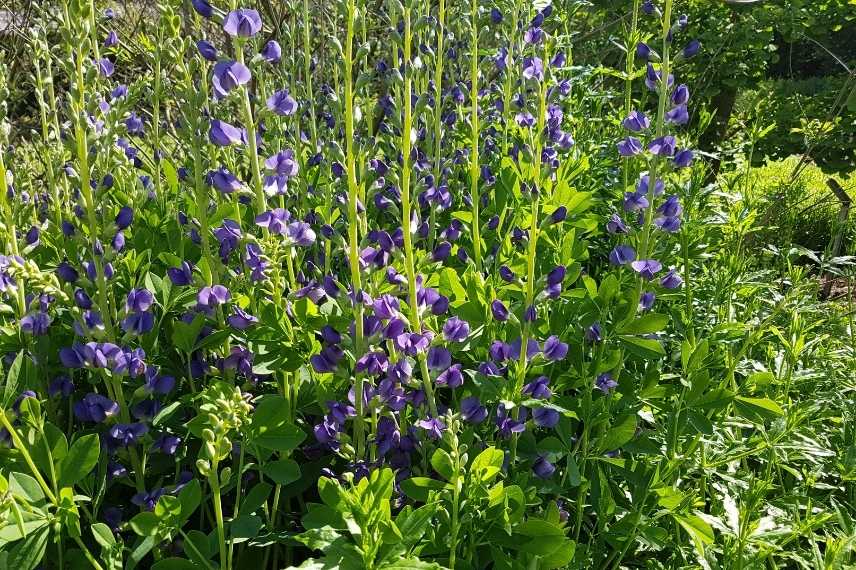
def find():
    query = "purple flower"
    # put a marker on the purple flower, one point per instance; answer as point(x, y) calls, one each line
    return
point(636, 122)
point(647, 268)
point(663, 146)
point(182, 275)
point(538, 388)
point(134, 124)
point(451, 377)
point(228, 75)
point(499, 310)
point(534, 35)
point(678, 115)
point(282, 103)
point(111, 40)
point(642, 186)
point(203, 8)
point(616, 225)
point(272, 52)
point(646, 301)
point(605, 383)
point(683, 158)
point(166, 444)
point(631, 146)
point(434, 427)
point(681, 96)
point(224, 181)
point(125, 217)
point(61, 386)
point(622, 255)
point(554, 349)
point(300, 234)
point(139, 300)
point(545, 417)
point(373, 363)
point(207, 50)
point(533, 68)
point(439, 358)
point(147, 500)
point(36, 324)
point(472, 411)
point(506, 424)
point(692, 49)
point(211, 297)
point(543, 468)
point(671, 280)
point(456, 330)
point(95, 408)
point(242, 23)
point(157, 384)
point(274, 220)
point(222, 133)
point(105, 67)
point(643, 51)
point(241, 320)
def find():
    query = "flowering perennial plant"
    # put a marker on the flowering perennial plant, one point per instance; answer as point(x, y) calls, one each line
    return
point(350, 284)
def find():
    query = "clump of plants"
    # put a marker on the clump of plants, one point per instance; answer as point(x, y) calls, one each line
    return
point(392, 285)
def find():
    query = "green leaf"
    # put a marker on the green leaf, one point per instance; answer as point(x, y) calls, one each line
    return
point(646, 324)
point(13, 380)
point(318, 538)
point(28, 553)
point(411, 564)
point(245, 527)
point(174, 564)
point(103, 535)
point(419, 488)
point(25, 487)
point(283, 471)
point(756, 409)
point(538, 537)
point(700, 532)
point(81, 459)
point(414, 522)
point(713, 400)
point(620, 433)
point(441, 461)
point(184, 335)
point(145, 524)
point(189, 497)
point(646, 348)
point(487, 464)
point(255, 498)
point(271, 430)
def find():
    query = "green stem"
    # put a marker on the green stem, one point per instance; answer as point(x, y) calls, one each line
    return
point(249, 124)
point(474, 123)
point(406, 209)
point(353, 222)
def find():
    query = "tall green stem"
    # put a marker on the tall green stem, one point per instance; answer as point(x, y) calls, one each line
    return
point(353, 222)
point(406, 211)
point(250, 125)
point(474, 123)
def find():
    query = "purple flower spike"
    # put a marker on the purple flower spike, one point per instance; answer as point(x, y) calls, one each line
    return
point(647, 268)
point(242, 23)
